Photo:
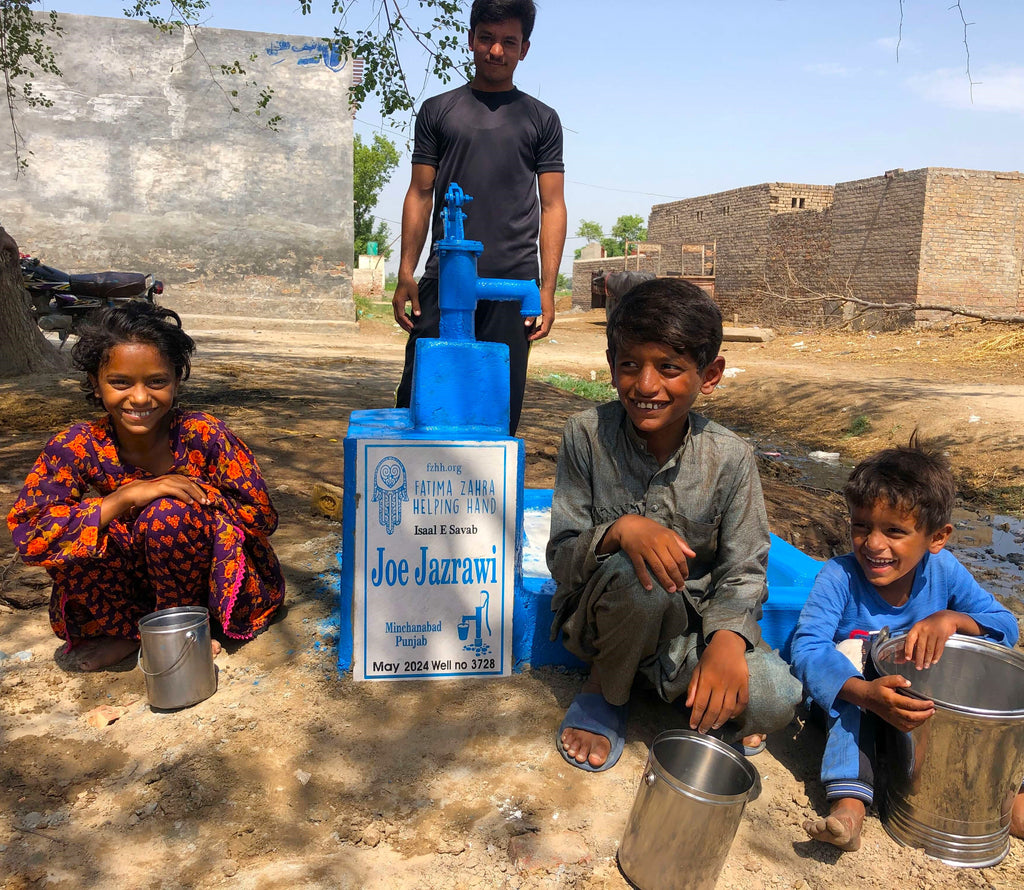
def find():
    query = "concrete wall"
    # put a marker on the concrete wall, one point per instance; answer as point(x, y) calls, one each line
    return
point(368, 277)
point(972, 243)
point(141, 164)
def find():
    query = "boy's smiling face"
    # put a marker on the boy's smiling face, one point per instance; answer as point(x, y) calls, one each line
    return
point(658, 386)
point(888, 545)
point(497, 47)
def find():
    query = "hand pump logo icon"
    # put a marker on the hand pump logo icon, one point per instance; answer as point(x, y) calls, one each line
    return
point(479, 620)
point(389, 490)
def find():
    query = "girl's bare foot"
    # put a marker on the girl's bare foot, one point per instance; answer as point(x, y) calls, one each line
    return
point(583, 746)
point(842, 826)
point(216, 647)
point(97, 653)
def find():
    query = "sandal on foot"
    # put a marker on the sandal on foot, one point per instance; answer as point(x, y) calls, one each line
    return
point(591, 712)
point(748, 750)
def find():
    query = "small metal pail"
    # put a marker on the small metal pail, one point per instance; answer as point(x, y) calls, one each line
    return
point(952, 780)
point(176, 656)
point(686, 812)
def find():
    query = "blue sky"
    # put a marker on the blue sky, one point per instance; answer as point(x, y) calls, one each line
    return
point(667, 99)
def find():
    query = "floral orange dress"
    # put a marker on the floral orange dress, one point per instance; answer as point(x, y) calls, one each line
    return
point(165, 554)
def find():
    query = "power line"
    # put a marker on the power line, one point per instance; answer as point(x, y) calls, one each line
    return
point(626, 191)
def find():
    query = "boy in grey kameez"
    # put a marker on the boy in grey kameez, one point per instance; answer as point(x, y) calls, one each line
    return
point(659, 540)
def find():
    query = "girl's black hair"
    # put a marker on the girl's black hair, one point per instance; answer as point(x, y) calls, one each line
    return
point(134, 322)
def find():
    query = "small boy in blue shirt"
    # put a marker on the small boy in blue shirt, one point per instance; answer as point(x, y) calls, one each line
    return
point(898, 575)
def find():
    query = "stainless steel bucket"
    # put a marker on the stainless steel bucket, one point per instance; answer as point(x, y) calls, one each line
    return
point(686, 812)
point(952, 780)
point(176, 656)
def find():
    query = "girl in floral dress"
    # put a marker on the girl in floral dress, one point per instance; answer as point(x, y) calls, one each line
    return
point(149, 506)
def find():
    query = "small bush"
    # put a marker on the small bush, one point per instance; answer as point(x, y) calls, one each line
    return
point(858, 426)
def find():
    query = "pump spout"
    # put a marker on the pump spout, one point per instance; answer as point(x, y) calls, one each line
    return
point(525, 292)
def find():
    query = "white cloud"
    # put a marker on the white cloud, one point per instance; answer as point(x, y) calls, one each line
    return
point(994, 89)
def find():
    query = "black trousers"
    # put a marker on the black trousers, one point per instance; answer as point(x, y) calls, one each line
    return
point(495, 322)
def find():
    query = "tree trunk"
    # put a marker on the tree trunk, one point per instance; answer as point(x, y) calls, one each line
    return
point(23, 348)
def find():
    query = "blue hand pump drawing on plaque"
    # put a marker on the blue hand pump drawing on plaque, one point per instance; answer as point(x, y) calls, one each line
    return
point(479, 619)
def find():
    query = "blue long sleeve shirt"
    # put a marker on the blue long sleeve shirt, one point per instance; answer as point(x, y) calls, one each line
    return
point(842, 602)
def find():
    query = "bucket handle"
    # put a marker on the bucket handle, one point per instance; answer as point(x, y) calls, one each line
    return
point(190, 638)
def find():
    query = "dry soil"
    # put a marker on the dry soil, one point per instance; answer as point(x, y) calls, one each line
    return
point(293, 776)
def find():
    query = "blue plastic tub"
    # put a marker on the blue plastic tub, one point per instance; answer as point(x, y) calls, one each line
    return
point(791, 573)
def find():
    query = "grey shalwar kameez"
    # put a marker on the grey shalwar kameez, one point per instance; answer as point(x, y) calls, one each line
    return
point(710, 493)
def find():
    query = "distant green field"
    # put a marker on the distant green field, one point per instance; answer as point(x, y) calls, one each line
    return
point(367, 308)
point(594, 390)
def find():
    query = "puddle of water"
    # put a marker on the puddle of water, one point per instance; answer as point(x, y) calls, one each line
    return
point(817, 473)
point(991, 547)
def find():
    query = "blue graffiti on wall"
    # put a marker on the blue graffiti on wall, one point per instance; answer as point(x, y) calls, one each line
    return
point(314, 53)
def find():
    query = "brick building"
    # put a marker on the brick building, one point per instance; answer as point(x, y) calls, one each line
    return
point(935, 235)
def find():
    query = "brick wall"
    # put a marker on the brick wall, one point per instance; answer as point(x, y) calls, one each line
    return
point(736, 221)
point(797, 270)
point(876, 238)
point(933, 235)
point(972, 245)
point(741, 223)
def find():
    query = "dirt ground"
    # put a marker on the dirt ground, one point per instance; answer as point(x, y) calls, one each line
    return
point(293, 776)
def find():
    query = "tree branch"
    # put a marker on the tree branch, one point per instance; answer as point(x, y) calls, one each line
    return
point(813, 296)
point(967, 48)
point(899, 34)
point(24, 52)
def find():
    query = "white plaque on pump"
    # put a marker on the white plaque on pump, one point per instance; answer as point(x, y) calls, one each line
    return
point(435, 559)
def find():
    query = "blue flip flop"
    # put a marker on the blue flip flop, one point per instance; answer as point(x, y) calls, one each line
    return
point(591, 712)
point(750, 751)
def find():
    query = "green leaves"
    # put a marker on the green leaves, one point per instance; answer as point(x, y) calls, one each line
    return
point(387, 38)
point(25, 53)
point(626, 228)
point(371, 171)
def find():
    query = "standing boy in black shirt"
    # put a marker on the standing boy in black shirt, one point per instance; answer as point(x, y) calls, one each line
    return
point(504, 148)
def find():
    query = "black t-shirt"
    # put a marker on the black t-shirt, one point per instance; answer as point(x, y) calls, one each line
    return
point(493, 145)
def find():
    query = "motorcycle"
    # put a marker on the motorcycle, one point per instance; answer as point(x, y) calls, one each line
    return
point(61, 302)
